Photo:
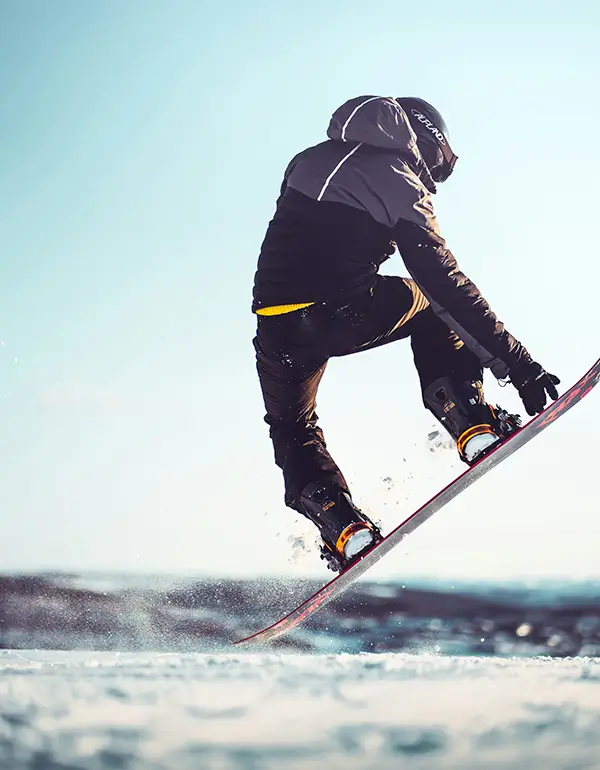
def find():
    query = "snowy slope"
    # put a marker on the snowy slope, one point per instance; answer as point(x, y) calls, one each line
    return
point(141, 711)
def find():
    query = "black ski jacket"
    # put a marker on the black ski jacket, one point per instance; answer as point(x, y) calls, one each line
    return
point(344, 201)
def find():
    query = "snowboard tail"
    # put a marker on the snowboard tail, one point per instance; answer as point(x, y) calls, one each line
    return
point(344, 580)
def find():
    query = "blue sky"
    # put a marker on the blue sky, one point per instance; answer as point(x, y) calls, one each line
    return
point(143, 145)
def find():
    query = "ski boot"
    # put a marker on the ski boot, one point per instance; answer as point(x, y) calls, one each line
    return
point(476, 426)
point(345, 531)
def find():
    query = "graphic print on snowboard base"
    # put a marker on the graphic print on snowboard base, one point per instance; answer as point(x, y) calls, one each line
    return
point(342, 581)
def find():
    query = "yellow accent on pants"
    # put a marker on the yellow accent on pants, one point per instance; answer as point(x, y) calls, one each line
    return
point(281, 309)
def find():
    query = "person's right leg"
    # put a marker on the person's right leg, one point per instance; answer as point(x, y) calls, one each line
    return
point(450, 374)
point(451, 379)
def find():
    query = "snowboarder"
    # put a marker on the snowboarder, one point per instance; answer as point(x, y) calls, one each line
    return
point(345, 206)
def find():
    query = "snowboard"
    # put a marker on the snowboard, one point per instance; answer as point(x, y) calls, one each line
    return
point(345, 579)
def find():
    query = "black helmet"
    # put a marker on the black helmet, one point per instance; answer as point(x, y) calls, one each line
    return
point(432, 136)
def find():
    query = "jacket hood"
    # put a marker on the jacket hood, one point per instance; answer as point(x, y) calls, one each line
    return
point(379, 121)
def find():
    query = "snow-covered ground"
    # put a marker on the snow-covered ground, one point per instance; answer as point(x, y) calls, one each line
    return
point(140, 711)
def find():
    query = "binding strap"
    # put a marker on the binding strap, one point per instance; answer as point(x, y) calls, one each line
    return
point(350, 530)
point(467, 435)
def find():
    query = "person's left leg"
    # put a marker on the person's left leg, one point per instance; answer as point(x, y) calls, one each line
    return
point(291, 360)
point(289, 378)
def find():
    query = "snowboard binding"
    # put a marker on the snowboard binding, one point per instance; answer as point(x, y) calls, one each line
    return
point(346, 532)
point(336, 561)
point(499, 426)
point(476, 426)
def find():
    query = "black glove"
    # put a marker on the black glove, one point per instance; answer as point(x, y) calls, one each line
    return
point(533, 383)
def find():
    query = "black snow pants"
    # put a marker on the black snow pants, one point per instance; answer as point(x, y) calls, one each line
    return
point(292, 351)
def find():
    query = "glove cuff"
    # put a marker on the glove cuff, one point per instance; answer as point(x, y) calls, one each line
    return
point(520, 376)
